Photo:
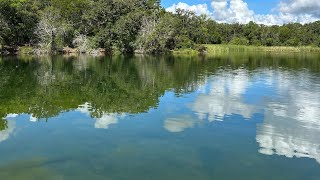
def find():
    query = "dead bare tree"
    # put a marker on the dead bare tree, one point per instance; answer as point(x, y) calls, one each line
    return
point(49, 28)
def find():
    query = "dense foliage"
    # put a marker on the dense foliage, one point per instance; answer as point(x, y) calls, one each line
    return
point(141, 25)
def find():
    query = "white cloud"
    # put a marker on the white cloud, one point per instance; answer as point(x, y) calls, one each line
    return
point(231, 11)
point(198, 9)
point(300, 7)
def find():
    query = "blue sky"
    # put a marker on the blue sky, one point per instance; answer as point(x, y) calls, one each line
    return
point(267, 12)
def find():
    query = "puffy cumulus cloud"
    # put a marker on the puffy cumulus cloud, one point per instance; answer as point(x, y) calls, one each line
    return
point(284, 18)
point(232, 11)
point(300, 7)
point(198, 9)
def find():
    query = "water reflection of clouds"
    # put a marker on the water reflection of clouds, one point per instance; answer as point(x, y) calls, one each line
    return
point(292, 121)
point(6, 133)
point(105, 120)
point(291, 115)
point(179, 124)
point(11, 126)
point(224, 97)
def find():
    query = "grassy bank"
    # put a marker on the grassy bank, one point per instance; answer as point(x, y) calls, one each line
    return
point(211, 48)
point(185, 52)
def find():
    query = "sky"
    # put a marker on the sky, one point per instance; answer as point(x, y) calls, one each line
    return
point(268, 12)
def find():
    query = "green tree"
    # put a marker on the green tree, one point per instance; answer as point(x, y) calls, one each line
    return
point(4, 30)
point(51, 30)
point(21, 17)
point(239, 41)
point(126, 30)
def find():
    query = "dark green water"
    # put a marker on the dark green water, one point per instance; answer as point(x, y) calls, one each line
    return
point(233, 117)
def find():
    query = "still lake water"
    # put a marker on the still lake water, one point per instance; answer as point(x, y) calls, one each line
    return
point(235, 116)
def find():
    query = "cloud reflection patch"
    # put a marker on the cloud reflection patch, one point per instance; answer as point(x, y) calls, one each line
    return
point(179, 124)
point(224, 97)
point(291, 122)
point(6, 133)
point(291, 126)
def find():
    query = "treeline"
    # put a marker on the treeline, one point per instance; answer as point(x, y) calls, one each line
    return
point(132, 25)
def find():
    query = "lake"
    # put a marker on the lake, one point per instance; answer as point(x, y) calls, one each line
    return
point(227, 116)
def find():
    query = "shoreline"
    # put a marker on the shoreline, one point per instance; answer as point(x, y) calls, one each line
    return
point(242, 48)
point(225, 48)
point(207, 49)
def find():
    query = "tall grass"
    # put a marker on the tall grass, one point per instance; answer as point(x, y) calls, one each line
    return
point(211, 48)
point(185, 52)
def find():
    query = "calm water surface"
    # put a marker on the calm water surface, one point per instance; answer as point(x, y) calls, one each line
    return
point(236, 116)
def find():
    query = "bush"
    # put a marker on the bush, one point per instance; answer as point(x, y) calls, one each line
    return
point(239, 41)
point(183, 42)
point(82, 43)
point(202, 49)
point(292, 42)
point(317, 42)
point(25, 50)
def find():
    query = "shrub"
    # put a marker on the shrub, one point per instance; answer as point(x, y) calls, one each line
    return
point(239, 41)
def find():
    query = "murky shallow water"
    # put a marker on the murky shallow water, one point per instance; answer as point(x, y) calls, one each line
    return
point(236, 116)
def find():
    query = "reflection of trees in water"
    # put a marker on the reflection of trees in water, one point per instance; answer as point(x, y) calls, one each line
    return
point(7, 127)
point(112, 87)
point(8, 130)
point(49, 86)
point(102, 122)
point(3, 124)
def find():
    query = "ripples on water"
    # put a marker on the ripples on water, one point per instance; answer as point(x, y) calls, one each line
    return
point(161, 118)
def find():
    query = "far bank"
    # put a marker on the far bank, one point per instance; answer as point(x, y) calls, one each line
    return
point(203, 49)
